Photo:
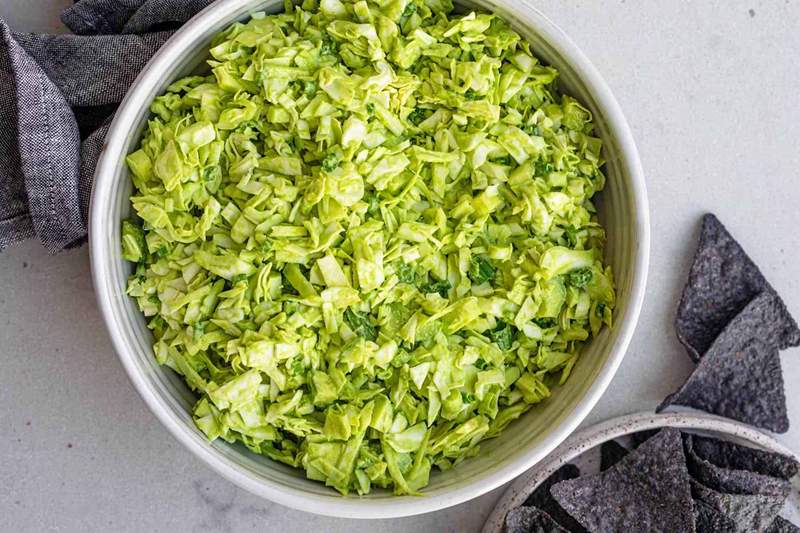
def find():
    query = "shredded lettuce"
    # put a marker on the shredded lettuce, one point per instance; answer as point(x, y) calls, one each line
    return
point(366, 237)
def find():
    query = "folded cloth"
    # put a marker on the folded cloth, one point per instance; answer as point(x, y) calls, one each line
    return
point(58, 94)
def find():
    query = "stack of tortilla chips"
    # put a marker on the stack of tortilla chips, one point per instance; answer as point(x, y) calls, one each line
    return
point(733, 324)
point(672, 482)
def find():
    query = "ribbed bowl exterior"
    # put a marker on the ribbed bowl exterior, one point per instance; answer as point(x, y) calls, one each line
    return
point(623, 210)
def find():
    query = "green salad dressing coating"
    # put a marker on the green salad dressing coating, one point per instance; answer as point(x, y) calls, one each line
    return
point(366, 238)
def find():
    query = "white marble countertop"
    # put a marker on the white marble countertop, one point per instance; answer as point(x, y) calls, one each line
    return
point(710, 89)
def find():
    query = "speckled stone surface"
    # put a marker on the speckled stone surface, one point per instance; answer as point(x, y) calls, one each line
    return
point(709, 89)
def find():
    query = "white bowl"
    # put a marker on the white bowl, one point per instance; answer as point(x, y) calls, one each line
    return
point(623, 210)
point(583, 441)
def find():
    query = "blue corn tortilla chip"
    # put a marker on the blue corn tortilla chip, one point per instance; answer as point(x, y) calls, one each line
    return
point(745, 384)
point(649, 490)
point(732, 456)
point(722, 281)
point(740, 376)
point(541, 498)
point(531, 520)
point(765, 318)
point(709, 520)
point(781, 525)
point(747, 512)
point(611, 452)
point(731, 481)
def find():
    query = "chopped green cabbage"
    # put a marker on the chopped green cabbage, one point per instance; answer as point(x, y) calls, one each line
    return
point(366, 237)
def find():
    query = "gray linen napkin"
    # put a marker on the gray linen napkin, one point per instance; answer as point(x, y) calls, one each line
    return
point(58, 94)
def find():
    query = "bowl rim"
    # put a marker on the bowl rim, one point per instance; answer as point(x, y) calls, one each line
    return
point(335, 505)
point(613, 428)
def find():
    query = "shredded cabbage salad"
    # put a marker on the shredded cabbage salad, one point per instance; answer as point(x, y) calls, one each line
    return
point(366, 238)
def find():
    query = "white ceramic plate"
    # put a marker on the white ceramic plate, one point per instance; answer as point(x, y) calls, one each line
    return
point(623, 210)
point(578, 448)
